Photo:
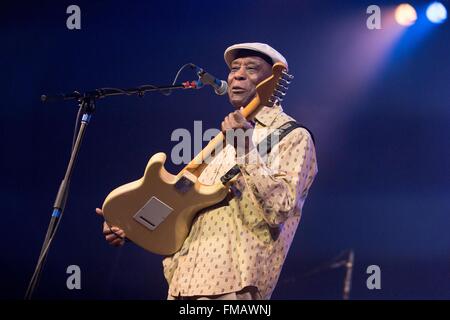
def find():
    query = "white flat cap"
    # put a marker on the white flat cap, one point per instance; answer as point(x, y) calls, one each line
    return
point(274, 55)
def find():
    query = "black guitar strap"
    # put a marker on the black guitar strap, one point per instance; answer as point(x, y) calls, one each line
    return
point(281, 132)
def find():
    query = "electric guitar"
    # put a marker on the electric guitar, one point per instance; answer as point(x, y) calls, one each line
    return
point(156, 211)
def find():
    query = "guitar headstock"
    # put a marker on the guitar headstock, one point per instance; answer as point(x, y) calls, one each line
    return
point(274, 88)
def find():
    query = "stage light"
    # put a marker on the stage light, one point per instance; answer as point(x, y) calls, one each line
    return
point(436, 12)
point(405, 15)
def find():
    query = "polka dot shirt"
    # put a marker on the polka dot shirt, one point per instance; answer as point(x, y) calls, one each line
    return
point(243, 241)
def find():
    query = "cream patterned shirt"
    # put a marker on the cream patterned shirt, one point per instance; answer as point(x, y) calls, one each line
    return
point(243, 241)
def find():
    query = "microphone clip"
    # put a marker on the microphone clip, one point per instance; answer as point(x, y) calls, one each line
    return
point(220, 86)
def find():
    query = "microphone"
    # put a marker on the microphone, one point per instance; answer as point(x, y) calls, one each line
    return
point(220, 86)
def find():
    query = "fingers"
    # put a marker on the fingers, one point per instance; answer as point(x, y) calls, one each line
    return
point(114, 240)
point(113, 235)
point(239, 116)
point(117, 243)
point(222, 126)
point(235, 120)
point(226, 124)
point(229, 123)
point(241, 119)
point(108, 230)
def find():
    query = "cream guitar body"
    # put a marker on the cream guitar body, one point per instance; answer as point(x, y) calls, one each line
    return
point(156, 211)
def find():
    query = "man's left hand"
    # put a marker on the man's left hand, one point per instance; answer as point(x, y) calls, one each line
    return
point(235, 120)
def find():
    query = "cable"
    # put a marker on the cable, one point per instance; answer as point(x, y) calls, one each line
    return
point(191, 65)
point(141, 89)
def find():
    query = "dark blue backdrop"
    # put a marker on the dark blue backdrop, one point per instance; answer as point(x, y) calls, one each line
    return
point(377, 102)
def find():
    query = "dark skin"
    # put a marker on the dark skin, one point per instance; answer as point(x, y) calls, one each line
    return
point(245, 74)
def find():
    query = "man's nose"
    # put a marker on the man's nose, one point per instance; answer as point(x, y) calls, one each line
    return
point(240, 74)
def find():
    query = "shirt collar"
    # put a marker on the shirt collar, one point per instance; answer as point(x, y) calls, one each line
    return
point(267, 115)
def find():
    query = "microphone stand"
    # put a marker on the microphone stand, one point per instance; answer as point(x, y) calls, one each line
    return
point(87, 107)
point(348, 275)
point(348, 263)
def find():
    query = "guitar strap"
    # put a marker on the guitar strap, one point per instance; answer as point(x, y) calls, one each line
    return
point(281, 132)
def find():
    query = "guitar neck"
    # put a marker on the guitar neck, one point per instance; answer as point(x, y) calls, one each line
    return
point(197, 164)
point(268, 91)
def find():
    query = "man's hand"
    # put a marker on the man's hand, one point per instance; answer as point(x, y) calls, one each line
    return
point(114, 235)
point(235, 120)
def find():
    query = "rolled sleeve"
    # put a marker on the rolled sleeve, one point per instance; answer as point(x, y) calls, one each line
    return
point(280, 184)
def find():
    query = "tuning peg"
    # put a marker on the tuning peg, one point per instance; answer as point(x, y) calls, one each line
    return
point(280, 86)
point(285, 81)
point(289, 76)
point(275, 98)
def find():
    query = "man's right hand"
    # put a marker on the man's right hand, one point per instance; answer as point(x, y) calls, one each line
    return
point(114, 235)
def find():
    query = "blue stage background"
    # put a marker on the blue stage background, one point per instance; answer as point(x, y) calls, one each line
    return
point(380, 116)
